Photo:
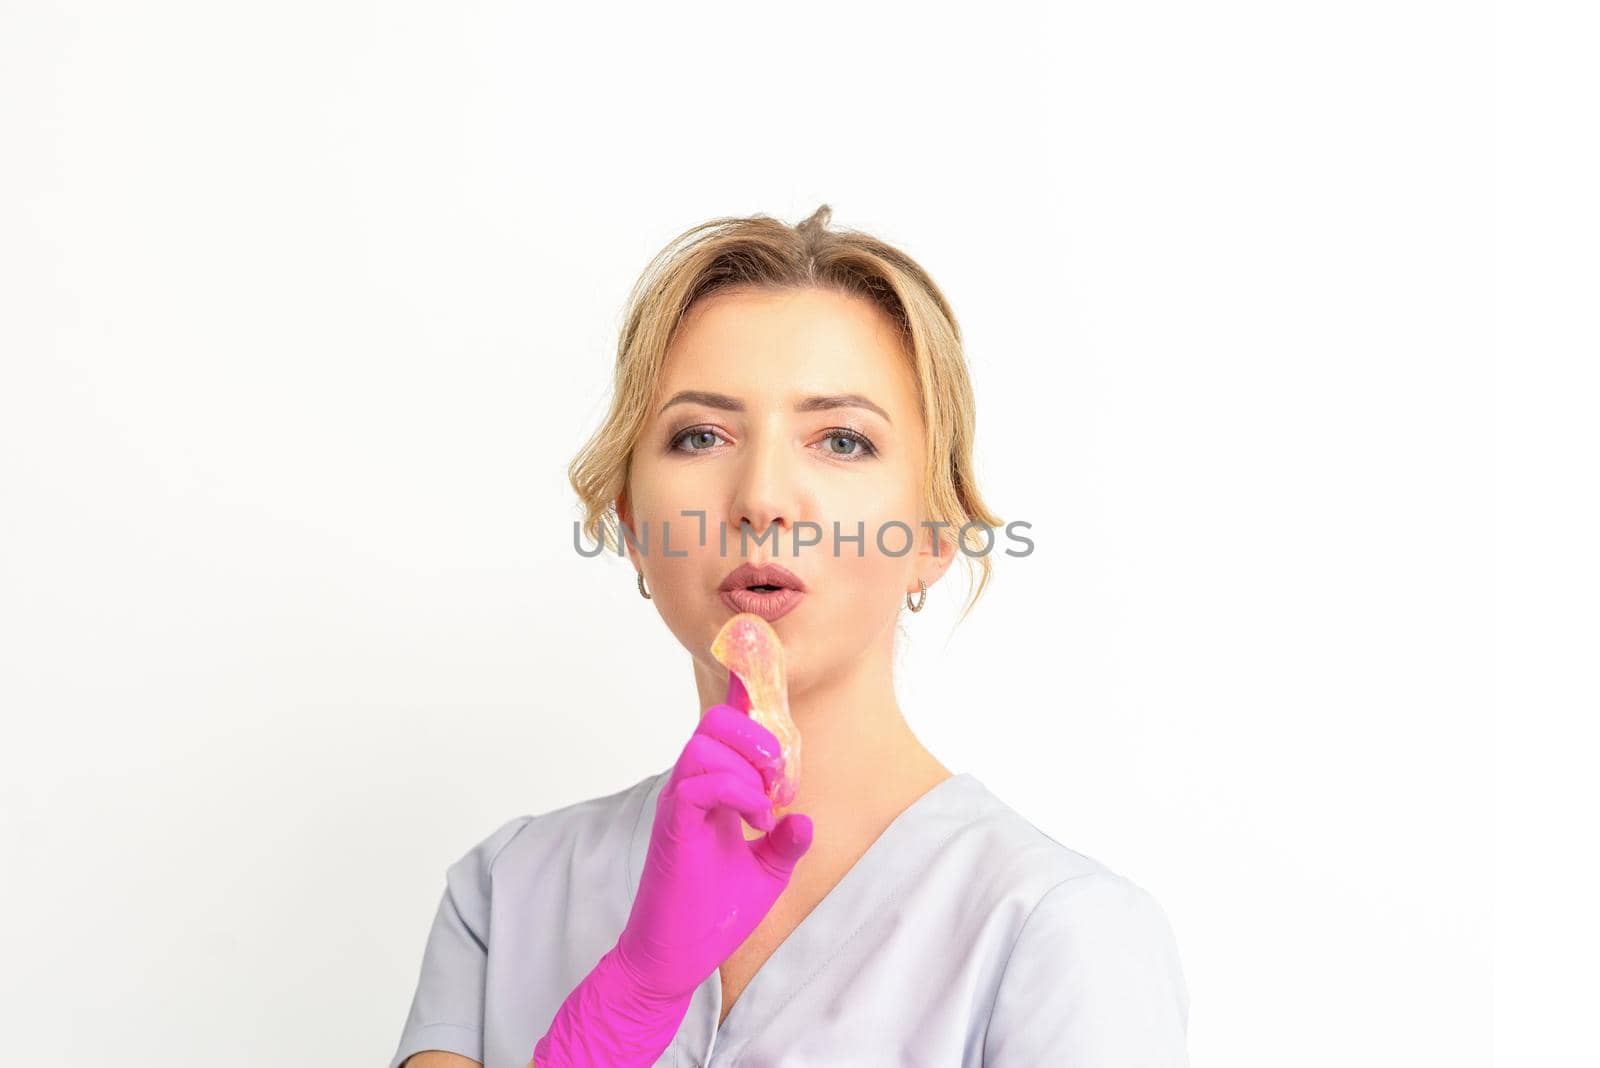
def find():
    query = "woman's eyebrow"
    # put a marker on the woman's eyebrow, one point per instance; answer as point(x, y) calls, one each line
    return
point(814, 403)
point(820, 402)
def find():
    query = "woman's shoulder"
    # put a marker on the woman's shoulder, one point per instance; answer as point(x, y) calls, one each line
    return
point(1083, 942)
point(530, 839)
point(1020, 847)
point(1029, 864)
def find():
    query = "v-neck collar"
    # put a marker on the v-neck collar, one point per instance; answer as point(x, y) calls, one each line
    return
point(902, 850)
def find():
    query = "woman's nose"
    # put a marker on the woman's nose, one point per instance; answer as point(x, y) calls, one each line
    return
point(766, 489)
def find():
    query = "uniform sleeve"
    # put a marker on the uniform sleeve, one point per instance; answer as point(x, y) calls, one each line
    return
point(1094, 981)
point(447, 1008)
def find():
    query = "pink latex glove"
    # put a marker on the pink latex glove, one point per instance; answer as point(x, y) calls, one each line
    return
point(703, 891)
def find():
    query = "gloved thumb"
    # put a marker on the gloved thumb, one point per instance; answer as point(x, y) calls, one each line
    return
point(781, 848)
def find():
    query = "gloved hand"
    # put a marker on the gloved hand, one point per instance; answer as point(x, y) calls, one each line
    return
point(703, 890)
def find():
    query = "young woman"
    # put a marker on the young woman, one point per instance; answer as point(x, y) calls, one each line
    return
point(775, 386)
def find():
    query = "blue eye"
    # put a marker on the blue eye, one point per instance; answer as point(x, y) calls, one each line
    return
point(701, 439)
point(865, 447)
point(692, 434)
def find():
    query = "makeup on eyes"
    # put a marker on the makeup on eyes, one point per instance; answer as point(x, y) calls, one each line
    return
point(868, 448)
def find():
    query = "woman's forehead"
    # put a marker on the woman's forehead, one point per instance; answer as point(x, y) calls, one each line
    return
point(781, 348)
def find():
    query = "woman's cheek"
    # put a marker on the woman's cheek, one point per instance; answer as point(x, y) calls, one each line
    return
point(874, 576)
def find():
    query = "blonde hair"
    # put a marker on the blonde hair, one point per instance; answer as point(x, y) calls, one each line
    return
point(759, 251)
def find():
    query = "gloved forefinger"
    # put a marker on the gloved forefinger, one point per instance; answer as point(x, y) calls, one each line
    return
point(746, 737)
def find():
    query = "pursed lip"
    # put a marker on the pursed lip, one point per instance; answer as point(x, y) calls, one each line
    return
point(746, 575)
point(770, 605)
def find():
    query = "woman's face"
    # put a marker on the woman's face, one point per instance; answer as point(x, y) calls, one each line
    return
point(737, 431)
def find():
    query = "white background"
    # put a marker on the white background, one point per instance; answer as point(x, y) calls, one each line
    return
point(308, 305)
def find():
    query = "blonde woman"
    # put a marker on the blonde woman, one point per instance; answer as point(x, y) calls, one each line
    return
point(794, 394)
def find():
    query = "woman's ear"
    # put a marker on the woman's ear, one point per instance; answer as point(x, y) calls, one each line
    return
point(621, 506)
point(937, 553)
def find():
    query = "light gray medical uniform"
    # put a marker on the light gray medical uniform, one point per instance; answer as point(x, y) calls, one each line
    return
point(964, 936)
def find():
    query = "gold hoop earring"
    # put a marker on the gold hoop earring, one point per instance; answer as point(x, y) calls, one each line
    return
point(642, 592)
point(922, 596)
